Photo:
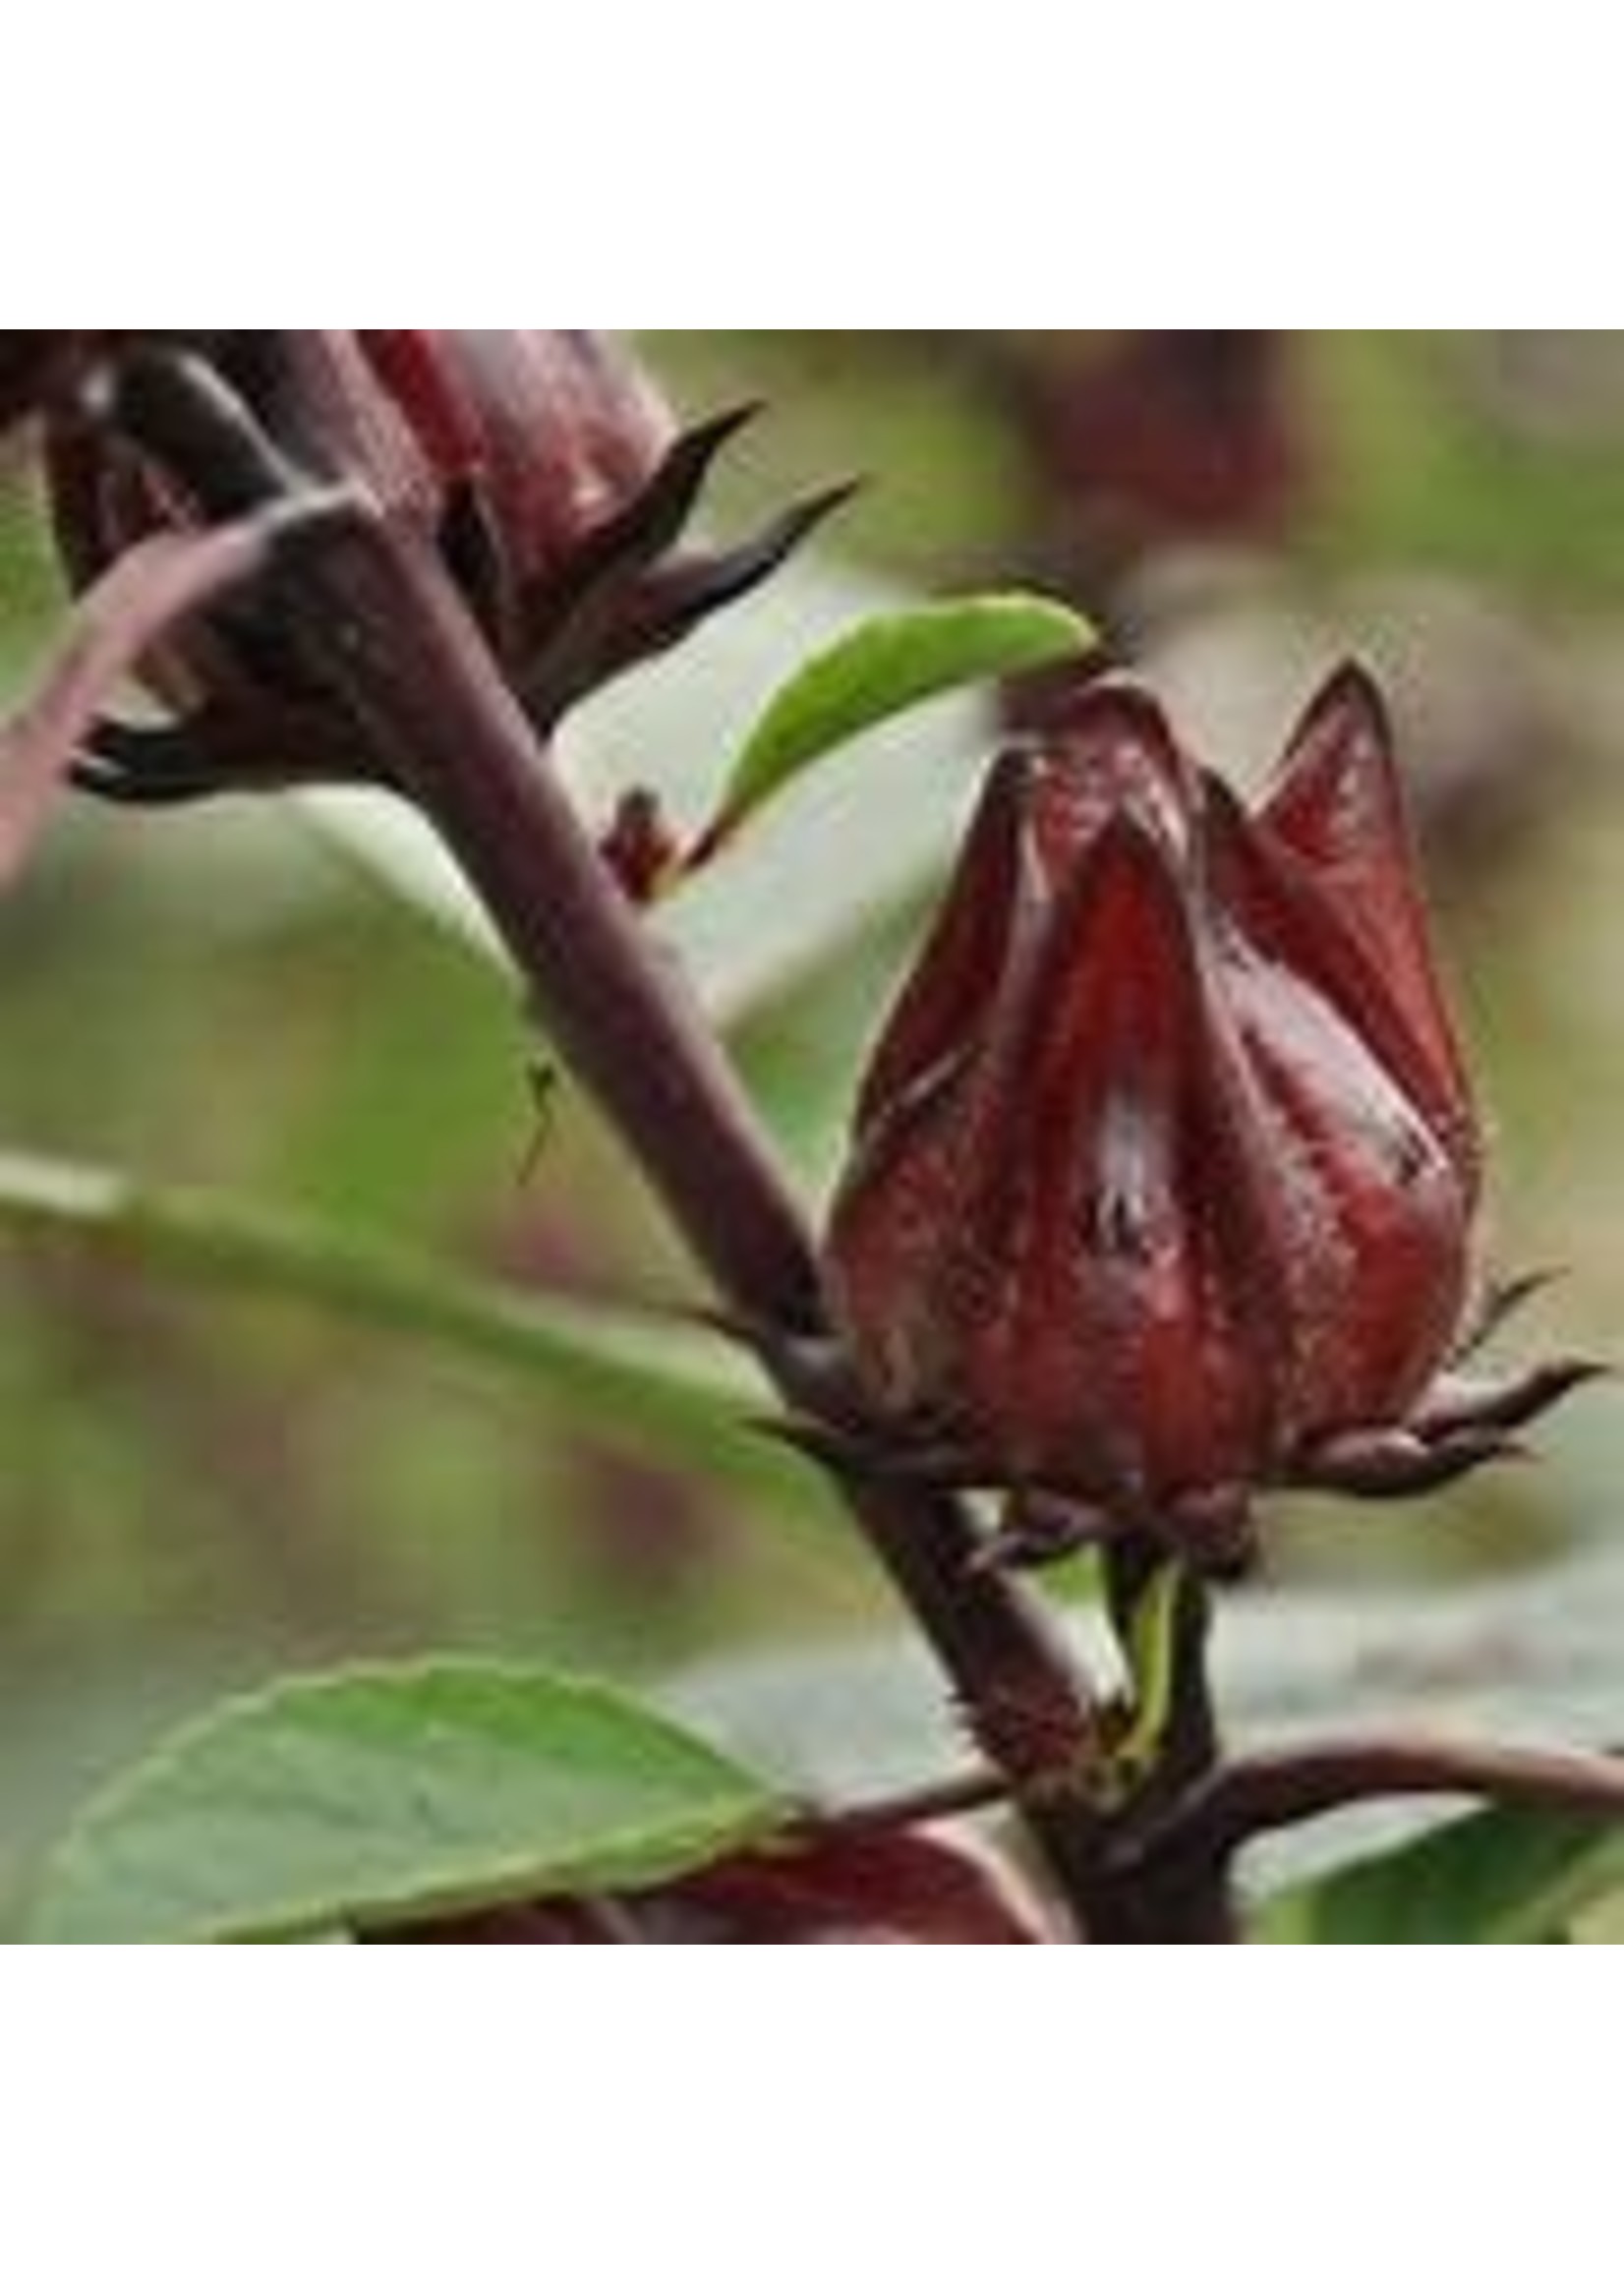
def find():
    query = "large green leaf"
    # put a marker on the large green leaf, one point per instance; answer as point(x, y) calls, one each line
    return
point(377, 1798)
point(653, 1386)
point(1502, 1876)
point(887, 666)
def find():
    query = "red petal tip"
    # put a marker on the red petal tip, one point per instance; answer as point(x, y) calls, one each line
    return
point(1352, 695)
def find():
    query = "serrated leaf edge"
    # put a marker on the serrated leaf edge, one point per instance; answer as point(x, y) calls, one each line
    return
point(503, 1885)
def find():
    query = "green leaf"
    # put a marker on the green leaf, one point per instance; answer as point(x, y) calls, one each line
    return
point(1501, 1876)
point(885, 669)
point(650, 1385)
point(383, 1798)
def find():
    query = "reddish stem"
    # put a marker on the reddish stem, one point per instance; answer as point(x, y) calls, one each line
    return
point(1276, 1793)
point(375, 613)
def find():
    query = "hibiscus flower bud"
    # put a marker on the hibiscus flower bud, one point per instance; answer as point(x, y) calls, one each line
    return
point(543, 466)
point(1166, 1174)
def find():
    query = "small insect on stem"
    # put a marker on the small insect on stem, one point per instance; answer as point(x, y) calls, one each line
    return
point(545, 1083)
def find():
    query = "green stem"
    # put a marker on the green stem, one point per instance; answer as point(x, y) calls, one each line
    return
point(1149, 1896)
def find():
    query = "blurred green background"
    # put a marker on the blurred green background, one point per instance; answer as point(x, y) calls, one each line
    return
point(198, 1486)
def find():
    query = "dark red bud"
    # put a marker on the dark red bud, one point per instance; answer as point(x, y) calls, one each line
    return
point(543, 465)
point(894, 1888)
point(1167, 1171)
point(1176, 434)
point(557, 431)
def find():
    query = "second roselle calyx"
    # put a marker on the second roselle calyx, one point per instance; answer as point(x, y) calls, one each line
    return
point(1167, 1175)
point(544, 467)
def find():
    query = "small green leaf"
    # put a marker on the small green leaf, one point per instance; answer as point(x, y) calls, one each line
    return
point(1502, 1876)
point(885, 669)
point(380, 1797)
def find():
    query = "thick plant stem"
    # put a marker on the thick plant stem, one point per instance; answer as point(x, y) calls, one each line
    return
point(374, 611)
point(633, 1040)
point(618, 1018)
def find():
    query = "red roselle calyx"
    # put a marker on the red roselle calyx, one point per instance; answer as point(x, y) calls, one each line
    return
point(543, 465)
point(1167, 1173)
